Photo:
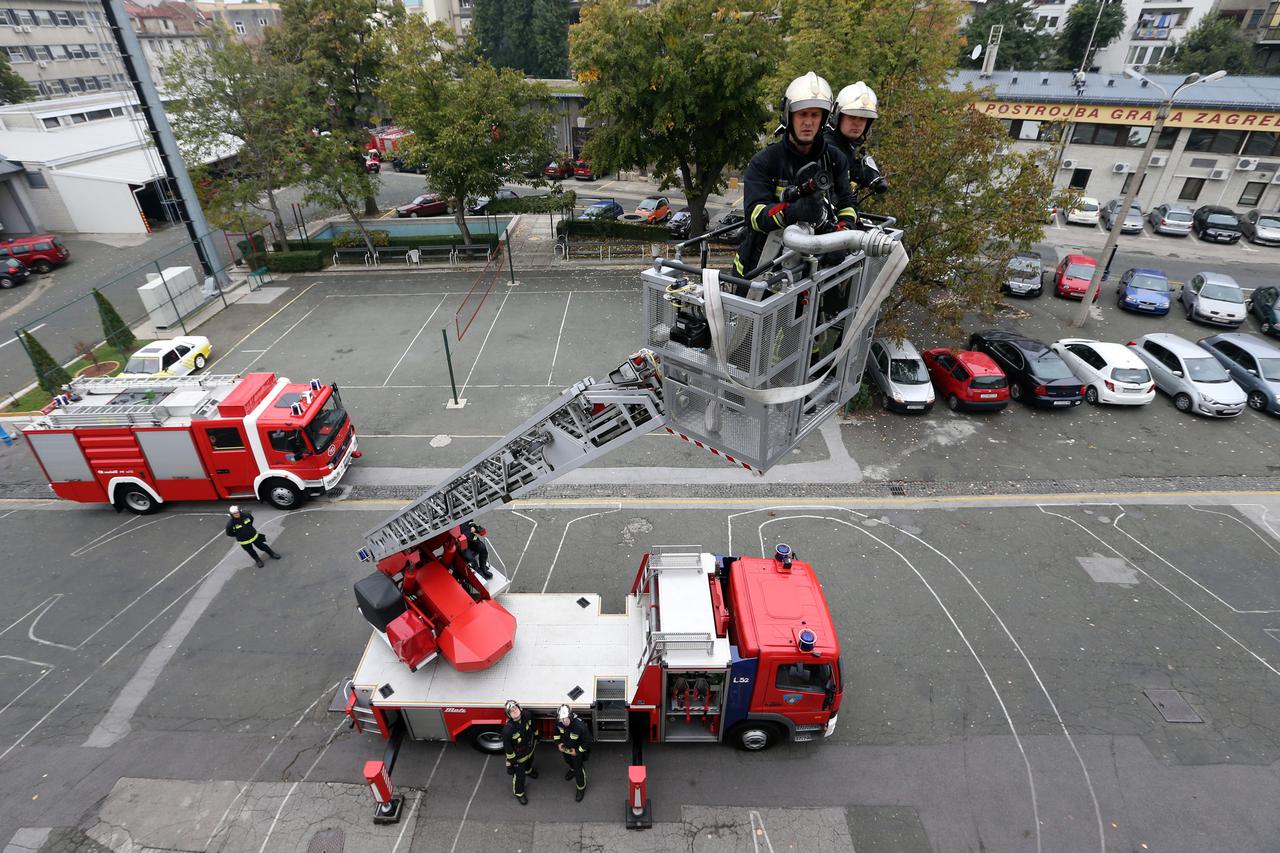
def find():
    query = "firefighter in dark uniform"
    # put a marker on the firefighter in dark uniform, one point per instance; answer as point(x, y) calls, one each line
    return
point(782, 182)
point(240, 527)
point(476, 553)
point(856, 110)
point(573, 739)
point(519, 740)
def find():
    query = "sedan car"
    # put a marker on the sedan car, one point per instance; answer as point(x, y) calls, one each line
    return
point(558, 169)
point(678, 225)
point(1085, 212)
point(1074, 274)
point(899, 373)
point(1193, 378)
point(480, 206)
point(735, 217)
point(1261, 227)
point(967, 380)
point(12, 273)
point(1144, 291)
point(1037, 375)
point(1265, 305)
point(1112, 373)
point(1171, 219)
point(1216, 224)
point(1213, 297)
point(1024, 275)
point(1130, 223)
point(1254, 365)
point(605, 208)
point(174, 357)
point(654, 209)
point(582, 171)
point(428, 204)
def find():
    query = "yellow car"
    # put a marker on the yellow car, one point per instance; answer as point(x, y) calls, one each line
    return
point(174, 357)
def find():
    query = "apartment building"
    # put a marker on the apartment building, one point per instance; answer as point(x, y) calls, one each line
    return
point(60, 47)
point(1151, 27)
point(248, 20)
point(1260, 22)
point(166, 31)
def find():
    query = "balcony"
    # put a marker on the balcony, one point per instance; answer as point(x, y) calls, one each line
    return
point(1152, 33)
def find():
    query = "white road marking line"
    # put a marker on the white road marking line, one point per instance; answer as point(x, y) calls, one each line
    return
point(417, 798)
point(564, 535)
point(525, 549)
point(412, 342)
point(44, 603)
point(48, 669)
point(279, 811)
point(274, 314)
point(301, 320)
point(483, 343)
point(31, 629)
point(559, 337)
point(14, 339)
point(467, 811)
point(757, 834)
point(83, 549)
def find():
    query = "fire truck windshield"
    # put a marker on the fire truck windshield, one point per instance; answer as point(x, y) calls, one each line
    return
point(327, 423)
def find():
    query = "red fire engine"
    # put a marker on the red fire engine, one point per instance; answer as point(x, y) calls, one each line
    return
point(138, 442)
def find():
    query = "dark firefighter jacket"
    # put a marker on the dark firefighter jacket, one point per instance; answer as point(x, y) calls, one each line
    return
point(242, 528)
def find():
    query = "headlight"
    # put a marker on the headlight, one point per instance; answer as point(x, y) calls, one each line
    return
point(1209, 401)
point(897, 398)
point(1278, 398)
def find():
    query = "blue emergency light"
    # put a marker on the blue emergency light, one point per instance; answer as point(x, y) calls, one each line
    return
point(807, 640)
point(315, 384)
point(296, 410)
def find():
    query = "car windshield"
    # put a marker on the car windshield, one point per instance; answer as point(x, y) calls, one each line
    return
point(1222, 219)
point(1049, 366)
point(1024, 267)
point(1177, 216)
point(1137, 375)
point(1087, 206)
point(908, 371)
point(988, 382)
point(1135, 210)
point(1150, 282)
point(147, 364)
point(1268, 222)
point(326, 424)
point(649, 204)
point(1270, 368)
point(1222, 292)
point(1206, 370)
point(422, 199)
point(1080, 271)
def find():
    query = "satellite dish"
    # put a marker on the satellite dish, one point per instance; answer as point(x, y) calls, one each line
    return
point(976, 52)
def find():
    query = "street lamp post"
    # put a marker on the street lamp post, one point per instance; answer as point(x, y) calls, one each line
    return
point(1135, 182)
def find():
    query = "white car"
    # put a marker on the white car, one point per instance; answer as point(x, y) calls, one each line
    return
point(1112, 373)
point(1085, 212)
point(896, 368)
point(174, 357)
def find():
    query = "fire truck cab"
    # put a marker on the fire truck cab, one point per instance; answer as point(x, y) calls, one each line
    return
point(139, 442)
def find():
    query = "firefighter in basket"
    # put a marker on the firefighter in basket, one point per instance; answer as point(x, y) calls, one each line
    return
point(856, 110)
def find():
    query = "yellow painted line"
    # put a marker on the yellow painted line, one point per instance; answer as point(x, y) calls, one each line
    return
point(388, 214)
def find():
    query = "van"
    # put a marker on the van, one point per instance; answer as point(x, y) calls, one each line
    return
point(42, 252)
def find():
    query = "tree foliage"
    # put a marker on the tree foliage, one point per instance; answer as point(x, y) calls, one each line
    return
point(50, 375)
point(13, 89)
point(551, 38)
point(115, 331)
point(677, 87)
point(1073, 39)
point(1022, 45)
point(527, 35)
point(1213, 43)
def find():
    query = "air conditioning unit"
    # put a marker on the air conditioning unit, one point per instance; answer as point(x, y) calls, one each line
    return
point(1158, 160)
point(43, 63)
point(1246, 164)
point(1218, 175)
point(26, 28)
point(1121, 168)
point(102, 60)
point(17, 29)
point(1067, 164)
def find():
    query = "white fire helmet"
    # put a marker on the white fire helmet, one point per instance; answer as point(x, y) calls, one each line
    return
point(857, 99)
point(564, 714)
point(510, 706)
point(233, 509)
point(807, 92)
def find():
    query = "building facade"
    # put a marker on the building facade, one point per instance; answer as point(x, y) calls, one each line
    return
point(1151, 27)
point(1260, 22)
point(248, 20)
point(168, 32)
point(60, 47)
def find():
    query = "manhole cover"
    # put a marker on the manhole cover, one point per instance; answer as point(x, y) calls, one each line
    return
point(1172, 706)
point(327, 841)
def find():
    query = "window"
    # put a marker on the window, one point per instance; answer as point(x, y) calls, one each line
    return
point(77, 118)
point(1129, 136)
point(1252, 192)
point(1138, 136)
point(17, 55)
point(75, 51)
point(225, 438)
point(262, 22)
point(1191, 189)
point(286, 440)
point(1262, 143)
point(7, 18)
point(1255, 18)
point(1080, 179)
point(62, 19)
point(240, 27)
point(25, 18)
point(91, 51)
point(97, 115)
point(43, 18)
point(1128, 179)
point(91, 85)
point(1028, 131)
point(42, 52)
point(80, 19)
point(50, 122)
point(804, 677)
point(43, 89)
point(1216, 141)
point(36, 181)
point(59, 52)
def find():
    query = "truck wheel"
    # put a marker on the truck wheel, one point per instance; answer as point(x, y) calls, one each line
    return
point(281, 494)
point(754, 737)
point(137, 500)
point(486, 739)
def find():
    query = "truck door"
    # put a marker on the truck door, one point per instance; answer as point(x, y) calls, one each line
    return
point(229, 458)
point(800, 689)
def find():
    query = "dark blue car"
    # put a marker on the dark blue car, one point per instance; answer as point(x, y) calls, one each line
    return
point(1144, 291)
point(605, 208)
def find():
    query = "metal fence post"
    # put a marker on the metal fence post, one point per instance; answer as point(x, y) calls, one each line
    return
point(448, 357)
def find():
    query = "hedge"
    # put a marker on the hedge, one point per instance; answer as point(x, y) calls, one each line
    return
point(613, 228)
point(306, 261)
point(327, 247)
point(554, 203)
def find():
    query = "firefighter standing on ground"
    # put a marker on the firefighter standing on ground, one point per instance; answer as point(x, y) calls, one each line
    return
point(573, 739)
point(519, 740)
point(240, 527)
point(856, 110)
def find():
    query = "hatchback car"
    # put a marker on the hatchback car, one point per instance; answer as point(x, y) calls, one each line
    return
point(654, 209)
point(605, 208)
point(1216, 224)
point(1074, 274)
point(12, 273)
point(1112, 373)
point(582, 171)
point(427, 204)
point(1171, 219)
point(967, 380)
point(1085, 212)
point(732, 217)
point(1024, 275)
point(1254, 365)
point(679, 223)
point(1192, 377)
point(1130, 223)
point(174, 357)
point(1037, 375)
point(899, 374)
point(1213, 297)
point(480, 206)
point(1265, 305)
point(1145, 291)
point(1261, 227)
point(41, 252)
point(558, 169)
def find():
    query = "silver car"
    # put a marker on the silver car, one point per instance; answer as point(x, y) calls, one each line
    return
point(1173, 219)
point(1213, 297)
point(1261, 227)
point(899, 373)
point(1192, 377)
point(1253, 364)
point(1131, 222)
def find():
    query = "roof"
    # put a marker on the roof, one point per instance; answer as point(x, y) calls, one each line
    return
point(112, 149)
point(772, 605)
point(1231, 92)
point(1248, 343)
point(1172, 342)
point(1150, 271)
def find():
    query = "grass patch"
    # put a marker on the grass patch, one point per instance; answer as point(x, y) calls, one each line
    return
point(37, 398)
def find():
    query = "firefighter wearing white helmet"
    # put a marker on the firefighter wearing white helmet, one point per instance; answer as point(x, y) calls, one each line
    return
point(784, 183)
point(855, 110)
point(573, 739)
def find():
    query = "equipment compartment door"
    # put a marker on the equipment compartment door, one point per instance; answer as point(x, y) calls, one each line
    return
point(693, 704)
point(229, 458)
point(172, 456)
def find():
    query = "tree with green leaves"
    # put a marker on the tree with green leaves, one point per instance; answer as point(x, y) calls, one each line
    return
point(50, 375)
point(678, 88)
point(551, 38)
point(1213, 43)
point(13, 89)
point(115, 331)
point(333, 176)
point(1023, 45)
point(472, 123)
point(486, 26)
point(1107, 16)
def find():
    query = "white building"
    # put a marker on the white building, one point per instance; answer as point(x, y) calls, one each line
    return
point(1149, 31)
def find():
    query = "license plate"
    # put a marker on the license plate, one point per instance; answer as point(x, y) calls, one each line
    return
point(1132, 390)
point(909, 408)
point(987, 396)
point(1062, 402)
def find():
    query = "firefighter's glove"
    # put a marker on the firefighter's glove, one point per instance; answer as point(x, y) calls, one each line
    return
point(808, 180)
point(511, 768)
point(806, 209)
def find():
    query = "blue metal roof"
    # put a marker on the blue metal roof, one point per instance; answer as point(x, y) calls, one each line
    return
point(1240, 93)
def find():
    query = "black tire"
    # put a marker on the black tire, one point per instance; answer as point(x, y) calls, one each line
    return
point(1015, 391)
point(1091, 396)
point(281, 494)
point(1182, 402)
point(200, 362)
point(42, 267)
point(953, 402)
point(884, 401)
point(1257, 401)
point(486, 739)
point(973, 342)
point(413, 215)
point(137, 500)
point(1190, 316)
point(6, 283)
point(754, 736)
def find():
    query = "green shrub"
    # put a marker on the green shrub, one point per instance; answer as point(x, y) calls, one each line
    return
point(554, 203)
point(353, 239)
point(311, 261)
point(611, 228)
point(327, 247)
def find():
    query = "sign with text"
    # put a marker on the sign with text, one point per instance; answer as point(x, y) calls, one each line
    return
point(1031, 111)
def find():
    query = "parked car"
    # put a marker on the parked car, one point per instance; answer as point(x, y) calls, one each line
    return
point(1218, 224)
point(1171, 219)
point(1037, 375)
point(1085, 212)
point(174, 357)
point(1213, 297)
point(1050, 212)
point(1130, 223)
point(1254, 365)
point(605, 208)
point(898, 372)
point(1074, 274)
point(1112, 373)
point(679, 223)
point(480, 206)
point(732, 216)
point(1261, 227)
point(1265, 305)
point(1193, 378)
point(427, 204)
point(41, 253)
point(1145, 291)
point(582, 171)
point(13, 273)
point(967, 380)
point(418, 168)
point(1024, 275)
point(558, 169)
point(654, 209)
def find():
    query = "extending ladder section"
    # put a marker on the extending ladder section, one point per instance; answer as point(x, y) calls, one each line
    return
point(118, 384)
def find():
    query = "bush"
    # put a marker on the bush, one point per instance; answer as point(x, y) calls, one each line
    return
point(353, 239)
point(554, 203)
point(256, 247)
point(605, 228)
point(312, 261)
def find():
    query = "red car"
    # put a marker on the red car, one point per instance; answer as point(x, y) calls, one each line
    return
point(966, 380)
point(557, 170)
point(424, 205)
point(1073, 276)
point(582, 171)
point(42, 252)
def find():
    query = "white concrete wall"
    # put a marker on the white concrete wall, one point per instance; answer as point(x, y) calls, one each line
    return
point(48, 206)
point(99, 207)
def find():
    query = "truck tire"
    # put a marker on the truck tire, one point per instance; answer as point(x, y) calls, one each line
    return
point(137, 500)
point(486, 739)
point(754, 736)
point(281, 494)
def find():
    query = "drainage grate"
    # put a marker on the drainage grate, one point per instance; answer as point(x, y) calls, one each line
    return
point(582, 602)
point(898, 490)
point(1172, 706)
point(327, 841)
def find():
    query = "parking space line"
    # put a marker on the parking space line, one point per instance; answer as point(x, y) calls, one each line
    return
point(274, 314)
point(14, 339)
point(412, 342)
point(467, 810)
point(559, 337)
point(48, 670)
point(565, 535)
point(279, 811)
point(483, 343)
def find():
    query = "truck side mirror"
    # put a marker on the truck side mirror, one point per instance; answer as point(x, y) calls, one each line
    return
point(829, 694)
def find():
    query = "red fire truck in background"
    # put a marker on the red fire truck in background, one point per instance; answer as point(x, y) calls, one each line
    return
point(139, 442)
